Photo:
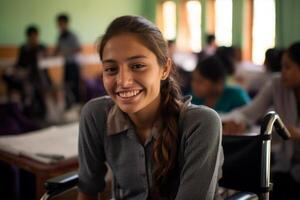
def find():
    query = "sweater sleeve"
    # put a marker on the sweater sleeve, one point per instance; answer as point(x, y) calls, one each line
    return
point(257, 107)
point(202, 154)
point(92, 167)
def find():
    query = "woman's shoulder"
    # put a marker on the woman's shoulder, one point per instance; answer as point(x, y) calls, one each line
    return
point(97, 106)
point(199, 123)
point(198, 115)
point(236, 95)
point(195, 112)
point(275, 84)
point(198, 112)
point(275, 79)
point(234, 90)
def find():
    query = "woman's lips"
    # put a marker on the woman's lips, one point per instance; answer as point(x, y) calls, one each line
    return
point(128, 93)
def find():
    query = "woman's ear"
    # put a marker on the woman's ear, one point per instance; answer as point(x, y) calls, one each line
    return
point(166, 69)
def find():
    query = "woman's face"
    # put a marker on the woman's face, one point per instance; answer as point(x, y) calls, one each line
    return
point(290, 72)
point(203, 87)
point(131, 73)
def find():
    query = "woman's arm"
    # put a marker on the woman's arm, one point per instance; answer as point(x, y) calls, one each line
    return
point(259, 105)
point(92, 167)
point(295, 132)
point(237, 120)
point(202, 155)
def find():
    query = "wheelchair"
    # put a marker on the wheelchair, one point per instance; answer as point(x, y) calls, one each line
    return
point(246, 166)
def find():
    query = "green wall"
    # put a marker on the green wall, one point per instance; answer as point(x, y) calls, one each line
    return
point(287, 22)
point(149, 9)
point(89, 18)
point(238, 18)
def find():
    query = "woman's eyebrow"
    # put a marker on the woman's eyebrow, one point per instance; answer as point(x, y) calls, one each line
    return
point(109, 61)
point(136, 57)
point(128, 59)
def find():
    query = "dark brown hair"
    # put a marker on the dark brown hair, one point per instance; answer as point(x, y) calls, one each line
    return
point(165, 148)
point(294, 52)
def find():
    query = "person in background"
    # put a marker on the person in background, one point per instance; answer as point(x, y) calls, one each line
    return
point(210, 88)
point(227, 56)
point(211, 45)
point(68, 46)
point(273, 57)
point(272, 64)
point(158, 145)
point(282, 94)
point(27, 83)
point(23, 109)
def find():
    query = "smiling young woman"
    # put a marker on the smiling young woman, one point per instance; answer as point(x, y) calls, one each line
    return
point(158, 145)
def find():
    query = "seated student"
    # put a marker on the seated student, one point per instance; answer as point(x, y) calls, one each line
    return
point(210, 89)
point(157, 143)
point(211, 45)
point(227, 56)
point(282, 93)
point(272, 64)
point(26, 79)
point(68, 46)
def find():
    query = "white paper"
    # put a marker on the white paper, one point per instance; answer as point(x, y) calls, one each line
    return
point(55, 140)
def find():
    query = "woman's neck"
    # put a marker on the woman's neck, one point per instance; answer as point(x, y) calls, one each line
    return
point(145, 118)
point(211, 100)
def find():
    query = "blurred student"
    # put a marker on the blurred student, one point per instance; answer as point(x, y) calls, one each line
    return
point(281, 93)
point(227, 56)
point(26, 81)
point(272, 64)
point(68, 46)
point(210, 88)
point(211, 45)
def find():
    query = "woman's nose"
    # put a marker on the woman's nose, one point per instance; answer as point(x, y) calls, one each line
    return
point(124, 77)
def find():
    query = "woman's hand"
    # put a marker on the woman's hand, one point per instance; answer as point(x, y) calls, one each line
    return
point(231, 127)
point(294, 131)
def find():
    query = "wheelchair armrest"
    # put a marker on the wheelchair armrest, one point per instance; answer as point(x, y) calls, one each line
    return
point(243, 196)
point(61, 183)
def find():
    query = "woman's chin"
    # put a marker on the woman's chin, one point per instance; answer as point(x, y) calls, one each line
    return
point(128, 105)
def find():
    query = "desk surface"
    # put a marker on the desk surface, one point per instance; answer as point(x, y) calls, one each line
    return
point(33, 166)
point(43, 144)
point(45, 141)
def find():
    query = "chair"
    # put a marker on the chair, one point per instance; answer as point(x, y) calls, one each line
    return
point(246, 166)
point(247, 159)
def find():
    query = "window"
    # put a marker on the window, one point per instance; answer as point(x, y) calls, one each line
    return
point(263, 32)
point(188, 30)
point(223, 22)
point(193, 8)
point(169, 20)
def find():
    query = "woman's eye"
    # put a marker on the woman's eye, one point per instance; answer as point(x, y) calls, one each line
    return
point(137, 66)
point(110, 70)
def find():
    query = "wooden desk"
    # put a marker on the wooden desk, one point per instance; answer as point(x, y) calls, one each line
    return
point(41, 171)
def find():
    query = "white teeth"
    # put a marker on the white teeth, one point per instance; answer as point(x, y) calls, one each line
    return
point(129, 93)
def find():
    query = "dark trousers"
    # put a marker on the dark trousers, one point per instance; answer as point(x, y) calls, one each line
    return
point(72, 78)
point(15, 183)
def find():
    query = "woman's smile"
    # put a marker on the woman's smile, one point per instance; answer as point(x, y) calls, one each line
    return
point(128, 93)
point(129, 96)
